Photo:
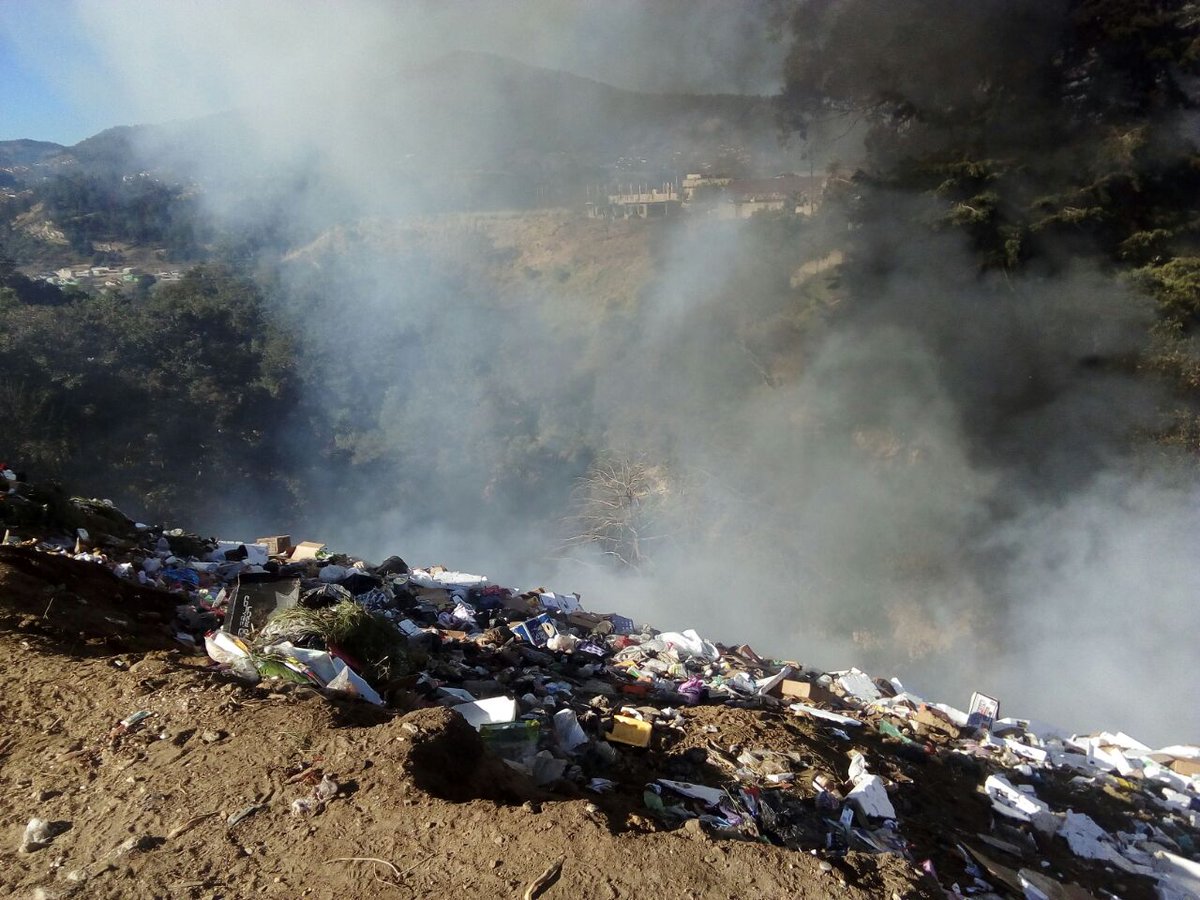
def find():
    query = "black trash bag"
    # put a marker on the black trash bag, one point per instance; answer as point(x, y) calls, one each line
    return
point(790, 823)
point(393, 565)
point(360, 582)
point(325, 595)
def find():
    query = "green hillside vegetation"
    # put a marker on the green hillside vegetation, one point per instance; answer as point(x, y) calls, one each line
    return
point(157, 398)
point(1064, 139)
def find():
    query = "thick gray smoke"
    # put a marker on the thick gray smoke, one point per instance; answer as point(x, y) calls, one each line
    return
point(932, 484)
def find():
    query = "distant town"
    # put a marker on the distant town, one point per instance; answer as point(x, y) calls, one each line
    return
point(714, 196)
point(104, 276)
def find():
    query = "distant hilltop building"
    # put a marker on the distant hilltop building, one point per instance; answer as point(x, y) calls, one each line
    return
point(642, 203)
point(696, 186)
point(740, 198)
point(715, 196)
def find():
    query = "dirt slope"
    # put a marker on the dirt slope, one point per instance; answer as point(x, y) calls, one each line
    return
point(213, 748)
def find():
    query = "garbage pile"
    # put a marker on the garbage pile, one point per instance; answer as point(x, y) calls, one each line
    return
point(675, 730)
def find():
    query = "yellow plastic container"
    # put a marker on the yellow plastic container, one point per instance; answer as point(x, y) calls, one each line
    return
point(628, 730)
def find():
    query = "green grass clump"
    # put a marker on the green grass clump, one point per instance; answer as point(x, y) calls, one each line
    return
point(369, 638)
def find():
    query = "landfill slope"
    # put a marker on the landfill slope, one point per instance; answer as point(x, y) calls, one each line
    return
point(193, 718)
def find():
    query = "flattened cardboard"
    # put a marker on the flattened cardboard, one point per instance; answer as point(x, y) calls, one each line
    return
point(306, 550)
point(930, 719)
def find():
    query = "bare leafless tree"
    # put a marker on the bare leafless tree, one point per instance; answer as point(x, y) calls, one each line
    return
point(623, 507)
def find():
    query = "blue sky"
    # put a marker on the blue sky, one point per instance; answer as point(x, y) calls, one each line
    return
point(41, 62)
point(71, 68)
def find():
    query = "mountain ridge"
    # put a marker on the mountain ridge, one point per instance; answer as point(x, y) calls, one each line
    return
point(526, 112)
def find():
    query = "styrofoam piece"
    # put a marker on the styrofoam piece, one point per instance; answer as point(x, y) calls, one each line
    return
point(1180, 751)
point(766, 685)
point(858, 684)
point(1177, 799)
point(1089, 841)
point(1033, 754)
point(448, 580)
point(957, 716)
point(869, 797)
point(828, 716)
point(1123, 741)
point(1178, 878)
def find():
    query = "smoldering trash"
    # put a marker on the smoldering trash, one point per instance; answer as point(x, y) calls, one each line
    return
point(659, 730)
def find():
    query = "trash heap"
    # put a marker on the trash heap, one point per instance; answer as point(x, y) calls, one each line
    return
point(674, 730)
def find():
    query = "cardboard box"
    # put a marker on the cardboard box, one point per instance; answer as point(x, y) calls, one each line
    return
point(805, 690)
point(984, 710)
point(1185, 767)
point(277, 545)
point(536, 631)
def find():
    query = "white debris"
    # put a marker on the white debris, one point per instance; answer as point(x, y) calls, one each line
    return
point(567, 730)
point(858, 684)
point(1088, 840)
point(817, 713)
point(1009, 801)
point(707, 795)
point(689, 643)
point(1178, 878)
point(434, 578)
point(869, 797)
point(493, 711)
